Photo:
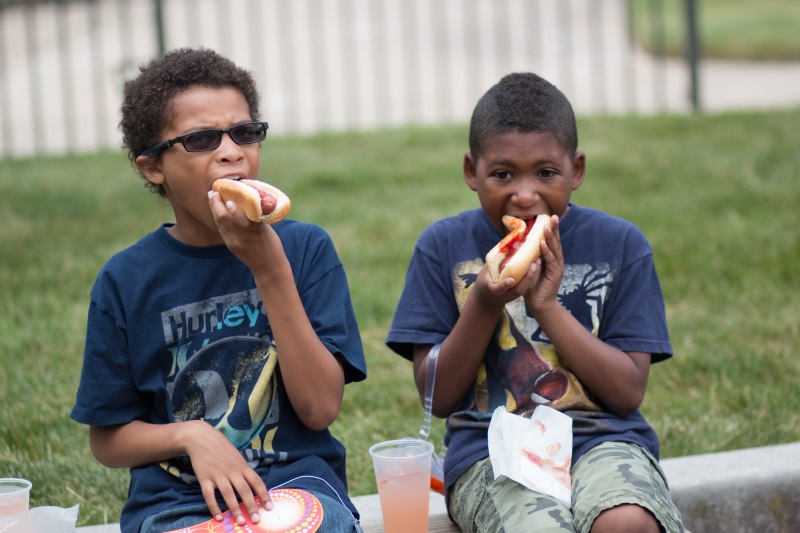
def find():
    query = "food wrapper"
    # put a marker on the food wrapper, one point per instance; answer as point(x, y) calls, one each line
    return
point(535, 452)
point(41, 519)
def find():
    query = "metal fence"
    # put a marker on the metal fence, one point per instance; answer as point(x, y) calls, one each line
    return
point(328, 65)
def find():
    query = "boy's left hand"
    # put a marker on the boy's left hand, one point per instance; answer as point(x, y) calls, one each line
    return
point(544, 278)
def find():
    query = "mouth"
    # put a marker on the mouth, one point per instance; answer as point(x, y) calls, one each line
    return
point(232, 177)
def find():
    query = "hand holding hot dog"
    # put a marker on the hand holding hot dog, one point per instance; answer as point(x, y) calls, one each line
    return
point(513, 256)
point(245, 211)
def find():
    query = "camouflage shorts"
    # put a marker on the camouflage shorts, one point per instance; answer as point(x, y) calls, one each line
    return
point(610, 474)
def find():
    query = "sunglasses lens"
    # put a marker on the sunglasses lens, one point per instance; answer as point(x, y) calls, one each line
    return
point(249, 133)
point(202, 140)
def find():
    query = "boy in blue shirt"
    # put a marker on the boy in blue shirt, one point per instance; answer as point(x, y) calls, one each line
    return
point(217, 349)
point(578, 333)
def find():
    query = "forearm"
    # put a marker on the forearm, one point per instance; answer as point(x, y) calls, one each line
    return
point(139, 443)
point(218, 465)
point(618, 379)
point(460, 355)
point(313, 377)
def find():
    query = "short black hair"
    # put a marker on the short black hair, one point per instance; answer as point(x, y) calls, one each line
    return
point(147, 99)
point(523, 102)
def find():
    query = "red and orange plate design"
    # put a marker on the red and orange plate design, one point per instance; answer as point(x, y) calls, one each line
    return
point(293, 511)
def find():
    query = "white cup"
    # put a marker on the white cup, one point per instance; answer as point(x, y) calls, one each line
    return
point(14, 496)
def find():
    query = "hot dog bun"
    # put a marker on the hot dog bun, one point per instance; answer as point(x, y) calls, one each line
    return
point(520, 246)
point(245, 194)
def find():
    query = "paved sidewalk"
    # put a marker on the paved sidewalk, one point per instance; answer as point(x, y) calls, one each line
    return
point(737, 85)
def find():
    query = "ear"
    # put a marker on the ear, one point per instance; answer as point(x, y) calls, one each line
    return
point(578, 169)
point(470, 176)
point(151, 169)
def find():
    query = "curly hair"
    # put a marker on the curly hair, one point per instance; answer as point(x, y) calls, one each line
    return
point(523, 102)
point(147, 100)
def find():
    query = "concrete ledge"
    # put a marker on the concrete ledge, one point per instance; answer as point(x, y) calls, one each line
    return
point(755, 489)
point(106, 528)
point(372, 522)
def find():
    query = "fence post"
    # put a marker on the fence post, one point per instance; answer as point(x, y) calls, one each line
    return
point(693, 51)
point(158, 8)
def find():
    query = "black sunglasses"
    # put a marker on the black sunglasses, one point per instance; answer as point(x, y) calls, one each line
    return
point(204, 140)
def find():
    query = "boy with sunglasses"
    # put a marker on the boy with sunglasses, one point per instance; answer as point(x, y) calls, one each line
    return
point(217, 349)
point(577, 334)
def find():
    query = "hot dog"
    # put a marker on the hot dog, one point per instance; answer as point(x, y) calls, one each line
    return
point(513, 255)
point(260, 201)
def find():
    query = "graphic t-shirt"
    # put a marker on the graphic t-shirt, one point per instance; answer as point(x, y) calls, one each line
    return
point(179, 333)
point(609, 285)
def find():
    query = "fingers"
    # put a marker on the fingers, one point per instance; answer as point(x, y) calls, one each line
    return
point(531, 276)
point(211, 500)
point(263, 494)
point(229, 496)
point(245, 488)
point(551, 243)
point(255, 484)
point(553, 236)
point(225, 210)
point(222, 471)
point(218, 208)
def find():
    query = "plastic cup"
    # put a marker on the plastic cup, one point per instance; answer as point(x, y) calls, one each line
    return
point(14, 496)
point(403, 473)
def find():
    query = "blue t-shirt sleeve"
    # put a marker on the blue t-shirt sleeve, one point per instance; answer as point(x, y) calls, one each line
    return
point(426, 311)
point(325, 293)
point(106, 367)
point(636, 318)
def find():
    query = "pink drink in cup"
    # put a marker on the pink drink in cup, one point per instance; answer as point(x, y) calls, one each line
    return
point(14, 496)
point(403, 473)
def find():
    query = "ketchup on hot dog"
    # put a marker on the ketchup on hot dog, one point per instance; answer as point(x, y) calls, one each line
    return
point(514, 244)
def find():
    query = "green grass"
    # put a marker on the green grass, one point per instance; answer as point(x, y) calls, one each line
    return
point(718, 197)
point(729, 29)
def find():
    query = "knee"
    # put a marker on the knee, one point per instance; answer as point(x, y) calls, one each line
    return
point(627, 518)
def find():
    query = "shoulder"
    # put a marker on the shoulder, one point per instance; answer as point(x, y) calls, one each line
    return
point(583, 216)
point(465, 224)
point(135, 255)
point(466, 235)
point(294, 229)
point(584, 224)
point(303, 237)
point(308, 247)
point(469, 218)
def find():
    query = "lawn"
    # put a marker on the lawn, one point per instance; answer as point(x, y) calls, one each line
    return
point(766, 30)
point(717, 195)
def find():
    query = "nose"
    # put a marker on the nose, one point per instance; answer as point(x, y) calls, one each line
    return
point(525, 193)
point(229, 150)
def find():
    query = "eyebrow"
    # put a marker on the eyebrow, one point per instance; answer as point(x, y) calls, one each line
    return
point(539, 162)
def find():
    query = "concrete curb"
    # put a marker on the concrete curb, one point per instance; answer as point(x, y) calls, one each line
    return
point(755, 489)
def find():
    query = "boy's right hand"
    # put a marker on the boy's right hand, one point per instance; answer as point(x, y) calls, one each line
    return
point(496, 295)
point(220, 467)
point(255, 244)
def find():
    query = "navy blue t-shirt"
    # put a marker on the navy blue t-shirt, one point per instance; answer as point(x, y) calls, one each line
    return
point(610, 285)
point(179, 333)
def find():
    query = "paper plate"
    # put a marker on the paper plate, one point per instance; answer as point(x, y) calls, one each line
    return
point(293, 511)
